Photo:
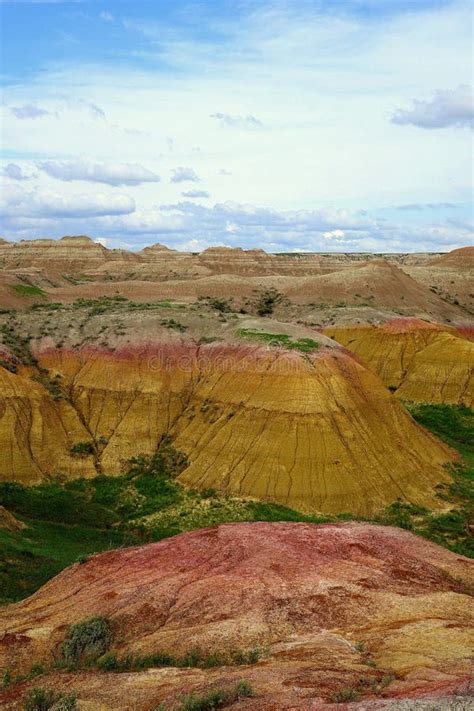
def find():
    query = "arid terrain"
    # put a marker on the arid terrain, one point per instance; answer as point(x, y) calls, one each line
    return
point(235, 478)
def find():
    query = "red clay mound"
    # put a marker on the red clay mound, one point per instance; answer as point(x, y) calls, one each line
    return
point(331, 607)
point(462, 258)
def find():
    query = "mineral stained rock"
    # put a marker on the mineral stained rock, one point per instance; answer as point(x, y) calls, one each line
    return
point(424, 362)
point(316, 432)
point(330, 607)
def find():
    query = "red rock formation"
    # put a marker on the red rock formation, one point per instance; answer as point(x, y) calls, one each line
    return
point(319, 601)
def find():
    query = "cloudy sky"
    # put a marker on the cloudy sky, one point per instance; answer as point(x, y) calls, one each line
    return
point(316, 125)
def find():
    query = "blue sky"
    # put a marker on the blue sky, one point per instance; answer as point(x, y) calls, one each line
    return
point(287, 125)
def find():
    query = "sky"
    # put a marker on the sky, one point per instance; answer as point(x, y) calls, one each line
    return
point(287, 125)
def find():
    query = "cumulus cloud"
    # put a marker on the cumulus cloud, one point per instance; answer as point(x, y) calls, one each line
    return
point(110, 173)
point(237, 121)
point(195, 194)
point(449, 107)
point(241, 225)
point(20, 203)
point(15, 172)
point(182, 174)
point(29, 111)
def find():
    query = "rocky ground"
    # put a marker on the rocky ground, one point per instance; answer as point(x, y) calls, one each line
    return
point(314, 614)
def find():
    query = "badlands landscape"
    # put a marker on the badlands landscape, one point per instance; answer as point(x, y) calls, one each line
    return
point(235, 478)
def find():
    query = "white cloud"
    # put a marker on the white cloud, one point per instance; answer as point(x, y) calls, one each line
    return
point(29, 111)
point(20, 203)
point(109, 172)
point(274, 230)
point(15, 172)
point(182, 224)
point(447, 108)
point(195, 194)
point(237, 121)
point(182, 174)
point(107, 16)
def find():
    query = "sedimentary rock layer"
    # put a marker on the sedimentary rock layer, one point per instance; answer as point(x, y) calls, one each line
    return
point(423, 362)
point(329, 606)
point(37, 432)
point(314, 431)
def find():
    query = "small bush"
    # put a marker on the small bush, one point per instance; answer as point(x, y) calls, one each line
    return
point(86, 641)
point(266, 301)
point(344, 695)
point(82, 449)
point(219, 698)
point(44, 699)
point(108, 662)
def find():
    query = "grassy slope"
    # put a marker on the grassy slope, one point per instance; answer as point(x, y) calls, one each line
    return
point(70, 520)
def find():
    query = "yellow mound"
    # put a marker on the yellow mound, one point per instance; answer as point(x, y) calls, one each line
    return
point(424, 362)
point(317, 433)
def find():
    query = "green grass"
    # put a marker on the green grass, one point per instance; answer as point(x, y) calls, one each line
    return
point(455, 426)
point(195, 658)
point(304, 345)
point(30, 558)
point(28, 290)
point(452, 423)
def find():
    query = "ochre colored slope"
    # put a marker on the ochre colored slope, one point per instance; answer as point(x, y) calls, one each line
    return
point(310, 597)
point(36, 432)
point(424, 361)
point(317, 432)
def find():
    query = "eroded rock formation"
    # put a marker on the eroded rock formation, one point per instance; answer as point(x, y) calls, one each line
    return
point(314, 431)
point(423, 362)
point(331, 607)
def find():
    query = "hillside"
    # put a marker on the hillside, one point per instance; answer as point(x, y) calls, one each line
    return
point(291, 428)
point(299, 612)
point(320, 289)
point(420, 361)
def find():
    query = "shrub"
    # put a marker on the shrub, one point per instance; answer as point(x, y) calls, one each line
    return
point(86, 641)
point(224, 306)
point(346, 694)
point(266, 302)
point(108, 662)
point(44, 699)
point(218, 698)
point(82, 449)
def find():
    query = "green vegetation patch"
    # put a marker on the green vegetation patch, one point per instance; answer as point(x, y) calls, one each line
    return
point(304, 345)
point(109, 662)
point(44, 699)
point(105, 304)
point(216, 699)
point(28, 290)
point(454, 424)
point(86, 641)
